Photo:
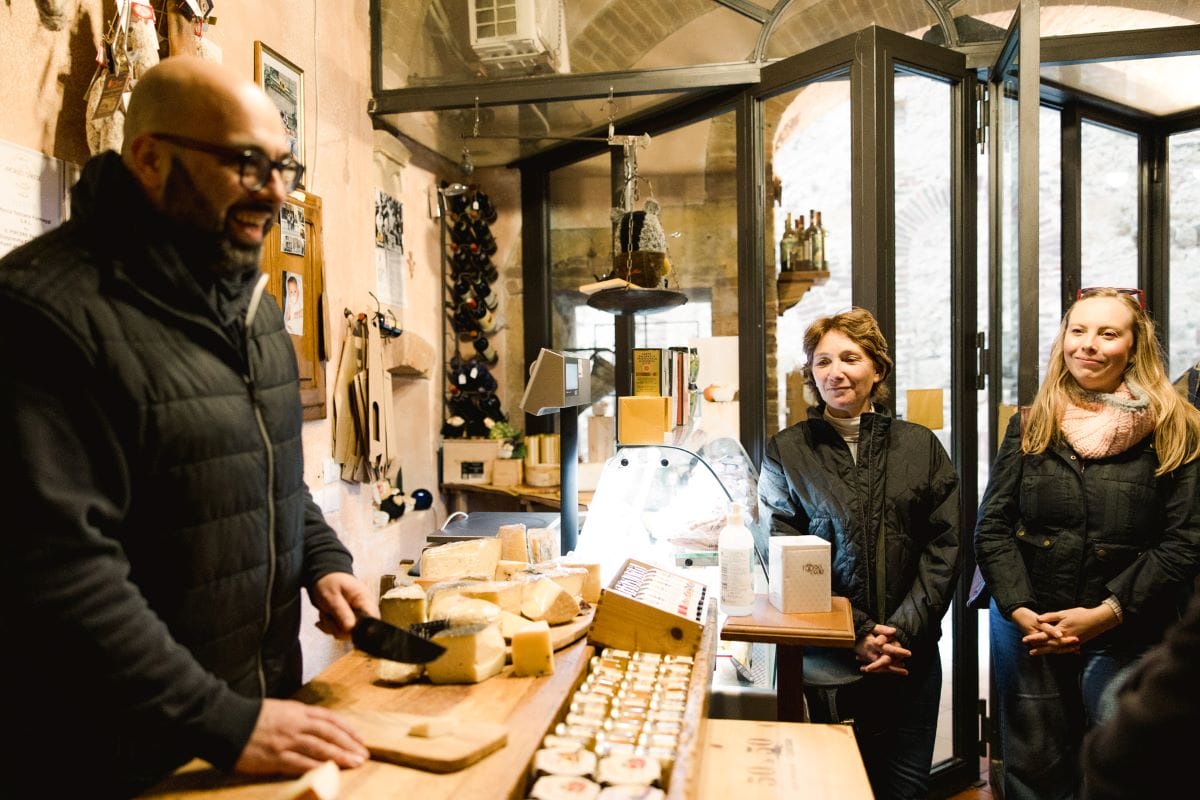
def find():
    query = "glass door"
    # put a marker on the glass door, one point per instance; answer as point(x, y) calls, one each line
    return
point(873, 136)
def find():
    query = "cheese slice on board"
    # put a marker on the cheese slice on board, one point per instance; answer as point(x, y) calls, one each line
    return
point(403, 606)
point(532, 653)
point(474, 653)
point(506, 594)
point(460, 610)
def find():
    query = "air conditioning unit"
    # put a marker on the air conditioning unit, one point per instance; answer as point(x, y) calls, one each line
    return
point(519, 36)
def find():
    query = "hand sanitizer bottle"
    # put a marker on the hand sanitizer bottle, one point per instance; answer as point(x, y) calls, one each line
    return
point(735, 554)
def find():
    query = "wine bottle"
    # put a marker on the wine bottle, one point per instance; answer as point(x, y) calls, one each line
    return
point(810, 241)
point(486, 351)
point(787, 244)
point(800, 251)
point(818, 246)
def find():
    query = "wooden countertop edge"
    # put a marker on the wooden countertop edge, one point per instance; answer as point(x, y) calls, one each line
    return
point(685, 773)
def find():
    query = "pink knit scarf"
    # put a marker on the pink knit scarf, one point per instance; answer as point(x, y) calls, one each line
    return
point(1108, 424)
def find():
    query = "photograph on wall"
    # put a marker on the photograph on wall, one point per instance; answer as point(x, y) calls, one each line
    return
point(283, 82)
point(293, 303)
point(291, 229)
point(389, 222)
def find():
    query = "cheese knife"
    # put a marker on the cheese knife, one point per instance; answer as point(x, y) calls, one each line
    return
point(383, 640)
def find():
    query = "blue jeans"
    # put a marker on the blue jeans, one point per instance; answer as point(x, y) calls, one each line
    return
point(895, 724)
point(1046, 706)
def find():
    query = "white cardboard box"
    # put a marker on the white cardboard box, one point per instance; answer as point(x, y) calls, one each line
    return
point(798, 578)
point(468, 460)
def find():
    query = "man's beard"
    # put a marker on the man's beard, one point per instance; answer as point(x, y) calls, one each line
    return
point(200, 231)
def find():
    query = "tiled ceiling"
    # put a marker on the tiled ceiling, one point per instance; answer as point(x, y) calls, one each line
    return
point(427, 46)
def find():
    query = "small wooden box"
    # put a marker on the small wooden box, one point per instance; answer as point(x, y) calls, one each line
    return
point(507, 472)
point(648, 608)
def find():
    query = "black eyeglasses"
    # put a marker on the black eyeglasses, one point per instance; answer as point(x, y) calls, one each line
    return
point(254, 166)
point(1138, 294)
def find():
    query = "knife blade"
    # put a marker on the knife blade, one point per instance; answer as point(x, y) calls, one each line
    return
point(383, 640)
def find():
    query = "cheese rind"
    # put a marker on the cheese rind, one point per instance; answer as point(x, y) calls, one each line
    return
point(546, 600)
point(473, 653)
point(475, 558)
point(532, 652)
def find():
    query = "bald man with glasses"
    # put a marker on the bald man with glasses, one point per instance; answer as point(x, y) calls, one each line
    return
point(160, 531)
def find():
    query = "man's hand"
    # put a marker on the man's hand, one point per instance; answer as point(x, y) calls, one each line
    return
point(1043, 635)
point(291, 738)
point(880, 651)
point(336, 596)
point(1076, 624)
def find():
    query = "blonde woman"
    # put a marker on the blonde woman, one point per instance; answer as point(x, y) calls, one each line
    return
point(1088, 534)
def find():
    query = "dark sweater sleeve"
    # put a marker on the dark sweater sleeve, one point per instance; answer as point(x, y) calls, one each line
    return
point(323, 551)
point(1144, 749)
point(65, 585)
point(918, 617)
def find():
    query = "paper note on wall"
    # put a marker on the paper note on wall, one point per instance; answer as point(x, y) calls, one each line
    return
point(33, 194)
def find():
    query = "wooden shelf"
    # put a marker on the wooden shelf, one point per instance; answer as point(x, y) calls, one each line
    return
point(792, 285)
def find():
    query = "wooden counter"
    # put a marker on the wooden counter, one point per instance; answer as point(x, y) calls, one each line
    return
point(753, 760)
point(528, 706)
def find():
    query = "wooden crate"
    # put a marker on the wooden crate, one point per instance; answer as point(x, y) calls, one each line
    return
point(649, 608)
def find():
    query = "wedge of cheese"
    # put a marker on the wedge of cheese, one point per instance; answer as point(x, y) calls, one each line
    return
point(473, 653)
point(459, 610)
point(506, 594)
point(475, 558)
point(546, 600)
point(403, 606)
point(570, 578)
point(511, 623)
point(532, 653)
point(591, 581)
point(398, 672)
point(513, 544)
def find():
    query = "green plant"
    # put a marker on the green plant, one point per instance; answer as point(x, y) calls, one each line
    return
point(513, 438)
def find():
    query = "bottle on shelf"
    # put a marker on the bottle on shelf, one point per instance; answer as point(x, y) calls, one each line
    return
point(787, 244)
point(800, 257)
point(735, 557)
point(819, 261)
point(486, 351)
point(810, 242)
point(484, 294)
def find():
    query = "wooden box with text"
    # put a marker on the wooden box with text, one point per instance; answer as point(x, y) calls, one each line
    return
point(651, 609)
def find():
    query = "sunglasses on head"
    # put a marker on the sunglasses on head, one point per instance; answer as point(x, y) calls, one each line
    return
point(1137, 294)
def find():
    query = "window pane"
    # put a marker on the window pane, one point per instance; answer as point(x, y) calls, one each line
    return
point(807, 142)
point(1108, 200)
point(1184, 243)
point(1050, 234)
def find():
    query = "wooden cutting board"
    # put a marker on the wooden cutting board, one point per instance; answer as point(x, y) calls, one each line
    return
point(386, 735)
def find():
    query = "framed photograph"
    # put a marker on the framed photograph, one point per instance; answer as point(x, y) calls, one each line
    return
point(283, 82)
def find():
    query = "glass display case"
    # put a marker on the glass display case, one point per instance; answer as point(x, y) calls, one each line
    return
point(666, 504)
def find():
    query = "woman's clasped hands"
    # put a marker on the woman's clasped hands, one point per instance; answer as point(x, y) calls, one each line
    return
point(881, 652)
